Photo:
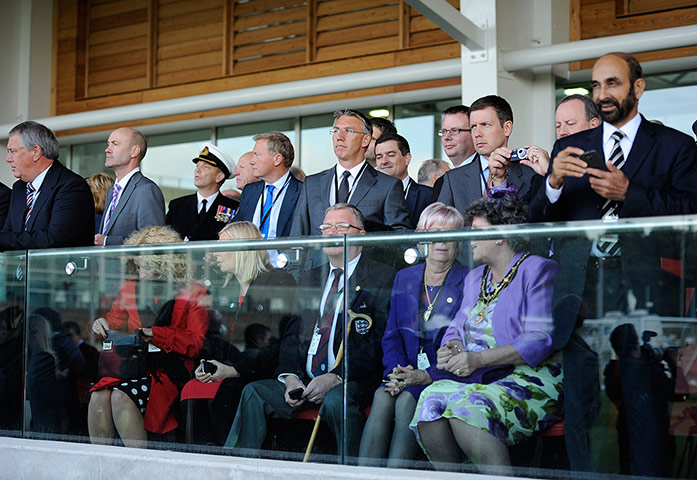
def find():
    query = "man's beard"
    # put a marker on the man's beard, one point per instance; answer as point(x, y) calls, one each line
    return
point(622, 110)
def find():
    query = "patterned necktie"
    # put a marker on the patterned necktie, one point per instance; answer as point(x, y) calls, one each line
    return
point(265, 215)
point(343, 194)
point(202, 212)
point(31, 194)
point(611, 207)
point(319, 359)
point(112, 206)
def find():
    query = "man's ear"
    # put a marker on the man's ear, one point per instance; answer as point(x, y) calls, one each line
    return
point(639, 87)
point(595, 121)
point(220, 178)
point(507, 128)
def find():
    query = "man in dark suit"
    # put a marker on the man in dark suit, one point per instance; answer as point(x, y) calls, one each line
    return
point(5, 193)
point(269, 203)
point(50, 206)
point(651, 170)
point(312, 366)
point(378, 196)
point(202, 215)
point(380, 126)
point(393, 155)
point(455, 139)
point(135, 201)
point(491, 124)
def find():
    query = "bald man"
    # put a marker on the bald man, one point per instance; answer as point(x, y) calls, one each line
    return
point(135, 201)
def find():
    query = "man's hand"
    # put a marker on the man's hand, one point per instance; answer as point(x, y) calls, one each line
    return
point(612, 184)
point(567, 164)
point(99, 240)
point(319, 386)
point(499, 161)
point(292, 382)
point(537, 159)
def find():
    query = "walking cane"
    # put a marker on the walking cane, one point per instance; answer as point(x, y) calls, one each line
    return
point(365, 323)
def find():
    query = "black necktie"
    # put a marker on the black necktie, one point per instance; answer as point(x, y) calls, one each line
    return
point(343, 194)
point(202, 212)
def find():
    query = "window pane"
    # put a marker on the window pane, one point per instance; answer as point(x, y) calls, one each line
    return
point(317, 153)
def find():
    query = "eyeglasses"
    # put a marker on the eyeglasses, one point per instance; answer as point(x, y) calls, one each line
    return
point(13, 151)
point(346, 131)
point(341, 227)
point(453, 131)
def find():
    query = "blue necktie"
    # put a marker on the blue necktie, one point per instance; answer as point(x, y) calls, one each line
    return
point(265, 215)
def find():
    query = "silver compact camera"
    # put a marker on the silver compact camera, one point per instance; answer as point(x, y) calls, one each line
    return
point(519, 154)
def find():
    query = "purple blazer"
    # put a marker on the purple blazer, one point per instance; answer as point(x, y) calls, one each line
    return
point(400, 343)
point(523, 313)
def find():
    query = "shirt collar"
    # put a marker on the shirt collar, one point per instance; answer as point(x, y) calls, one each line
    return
point(209, 200)
point(36, 183)
point(354, 171)
point(350, 267)
point(468, 160)
point(629, 130)
point(278, 184)
point(124, 181)
point(405, 183)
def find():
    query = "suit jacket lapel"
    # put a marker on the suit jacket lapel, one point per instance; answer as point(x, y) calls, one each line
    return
point(45, 193)
point(285, 215)
point(325, 186)
point(471, 179)
point(365, 183)
point(412, 197)
point(641, 148)
point(127, 192)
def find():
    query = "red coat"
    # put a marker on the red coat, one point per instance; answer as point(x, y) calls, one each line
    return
point(184, 336)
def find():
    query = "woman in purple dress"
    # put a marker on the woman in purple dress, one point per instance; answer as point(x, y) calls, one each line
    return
point(503, 332)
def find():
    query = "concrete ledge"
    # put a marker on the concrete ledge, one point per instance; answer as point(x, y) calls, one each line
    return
point(39, 459)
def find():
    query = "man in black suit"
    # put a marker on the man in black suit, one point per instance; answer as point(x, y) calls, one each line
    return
point(378, 196)
point(5, 193)
point(134, 201)
point(651, 170)
point(50, 206)
point(312, 366)
point(269, 203)
point(491, 124)
point(202, 215)
point(393, 155)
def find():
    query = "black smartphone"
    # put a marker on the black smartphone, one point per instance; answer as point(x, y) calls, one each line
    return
point(594, 160)
point(209, 367)
point(296, 394)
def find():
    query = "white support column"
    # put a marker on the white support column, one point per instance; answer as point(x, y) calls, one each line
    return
point(479, 67)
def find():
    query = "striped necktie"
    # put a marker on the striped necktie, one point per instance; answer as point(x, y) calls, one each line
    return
point(112, 206)
point(320, 358)
point(611, 207)
point(31, 195)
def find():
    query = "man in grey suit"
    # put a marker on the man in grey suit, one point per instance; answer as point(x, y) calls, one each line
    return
point(134, 202)
point(491, 123)
point(352, 180)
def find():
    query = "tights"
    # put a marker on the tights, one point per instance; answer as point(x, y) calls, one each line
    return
point(379, 436)
point(113, 408)
point(448, 441)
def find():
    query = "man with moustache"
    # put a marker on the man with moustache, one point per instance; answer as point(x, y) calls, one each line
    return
point(491, 124)
point(651, 171)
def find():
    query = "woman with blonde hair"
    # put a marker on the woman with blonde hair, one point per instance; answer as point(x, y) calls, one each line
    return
point(99, 184)
point(266, 297)
point(175, 331)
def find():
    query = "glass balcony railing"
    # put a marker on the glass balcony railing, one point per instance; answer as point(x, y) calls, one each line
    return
point(586, 361)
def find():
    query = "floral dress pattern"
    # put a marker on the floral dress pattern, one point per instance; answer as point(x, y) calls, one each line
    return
point(511, 409)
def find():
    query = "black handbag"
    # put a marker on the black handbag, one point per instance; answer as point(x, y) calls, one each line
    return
point(123, 356)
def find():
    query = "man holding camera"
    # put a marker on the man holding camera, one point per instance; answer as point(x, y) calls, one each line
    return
point(491, 123)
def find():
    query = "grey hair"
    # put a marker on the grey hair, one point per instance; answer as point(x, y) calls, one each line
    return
point(429, 167)
point(32, 134)
point(366, 126)
point(351, 208)
point(589, 106)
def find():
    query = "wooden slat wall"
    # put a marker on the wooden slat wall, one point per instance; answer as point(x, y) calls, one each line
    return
point(119, 52)
point(601, 18)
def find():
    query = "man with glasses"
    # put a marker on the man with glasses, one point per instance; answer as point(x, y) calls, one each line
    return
point(309, 375)
point(379, 197)
point(491, 123)
point(456, 140)
point(50, 206)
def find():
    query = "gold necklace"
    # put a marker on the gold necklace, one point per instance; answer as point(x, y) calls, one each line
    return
point(431, 304)
point(487, 297)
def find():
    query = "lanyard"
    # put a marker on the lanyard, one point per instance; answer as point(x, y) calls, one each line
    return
point(336, 182)
point(263, 220)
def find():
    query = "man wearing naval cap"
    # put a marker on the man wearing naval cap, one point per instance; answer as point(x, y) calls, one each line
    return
point(202, 215)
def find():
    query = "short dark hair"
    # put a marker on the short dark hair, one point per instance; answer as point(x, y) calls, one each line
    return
point(278, 143)
point(32, 134)
point(384, 124)
point(455, 110)
point(252, 334)
point(366, 126)
point(499, 104)
point(589, 106)
point(635, 70)
point(501, 209)
point(402, 143)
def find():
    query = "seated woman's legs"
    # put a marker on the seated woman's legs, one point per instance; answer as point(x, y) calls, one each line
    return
point(479, 445)
point(128, 420)
point(375, 440)
point(404, 445)
point(440, 444)
point(99, 420)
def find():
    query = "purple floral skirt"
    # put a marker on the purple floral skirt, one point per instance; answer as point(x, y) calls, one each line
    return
point(512, 409)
